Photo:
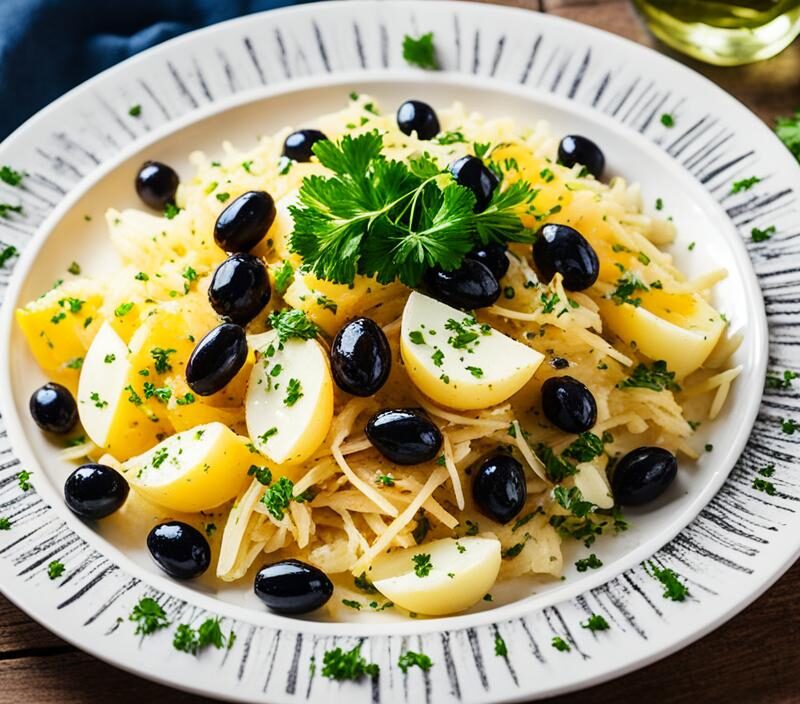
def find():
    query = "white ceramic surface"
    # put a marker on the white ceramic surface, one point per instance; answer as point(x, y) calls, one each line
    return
point(253, 76)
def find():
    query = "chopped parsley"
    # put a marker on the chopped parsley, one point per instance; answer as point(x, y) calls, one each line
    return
point(159, 457)
point(385, 480)
point(5, 523)
point(560, 644)
point(209, 632)
point(278, 497)
point(74, 269)
point(6, 208)
point(186, 399)
point(416, 337)
point(595, 623)
point(191, 276)
point(7, 253)
point(546, 175)
point(585, 448)
point(148, 616)
point(549, 302)
point(657, 377)
point(667, 120)
point(123, 309)
point(744, 184)
point(777, 382)
point(109, 358)
point(411, 659)
point(572, 500)
point(135, 110)
point(453, 137)
point(556, 468)
point(98, 402)
point(764, 485)
point(350, 665)
point(788, 131)
point(500, 647)
point(477, 372)
point(294, 392)
point(161, 359)
point(283, 277)
point(420, 51)
point(758, 235)
point(55, 569)
point(267, 434)
point(674, 589)
point(586, 563)
point(262, 474)
point(292, 322)
point(422, 564)
point(222, 197)
point(472, 528)
point(789, 426)
point(10, 176)
point(76, 363)
point(627, 285)
point(171, 210)
point(352, 603)
point(364, 584)
point(133, 397)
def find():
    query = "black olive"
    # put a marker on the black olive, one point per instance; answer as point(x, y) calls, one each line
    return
point(575, 149)
point(419, 117)
point(156, 184)
point(244, 223)
point(562, 249)
point(472, 173)
point(643, 475)
point(470, 286)
point(240, 288)
point(292, 587)
point(498, 487)
point(568, 404)
point(180, 550)
point(360, 357)
point(95, 491)
point(404, 435)
point(216, 359)
point(493, 257)
point(53, 408)
point(298, 144)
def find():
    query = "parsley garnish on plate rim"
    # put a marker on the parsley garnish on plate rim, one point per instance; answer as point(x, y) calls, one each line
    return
point(420, 51)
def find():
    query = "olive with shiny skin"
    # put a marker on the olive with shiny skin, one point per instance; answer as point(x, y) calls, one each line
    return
point(568, 404)
point(292, 587)
point(240, 288)
point(298, 145)
point(404, 435)
point(244, 223)
point(472, 173)
point(360, 357)
point(216, 359)
point(53, 408)
point(419, 117)
point(562, 249)
point(470, 286)
point(498, 487)
point(95, 491)
point(180, 550)
point(576, 149)
point(156, 184)
point(493, 257)
point(643, 475)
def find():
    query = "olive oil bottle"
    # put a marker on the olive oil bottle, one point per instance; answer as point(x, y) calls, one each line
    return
point(724, 33)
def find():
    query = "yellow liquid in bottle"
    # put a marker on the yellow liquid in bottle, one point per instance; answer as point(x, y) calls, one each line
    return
point(723, 33)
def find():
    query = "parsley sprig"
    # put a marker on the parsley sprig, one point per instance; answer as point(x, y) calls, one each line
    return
point(394, 220)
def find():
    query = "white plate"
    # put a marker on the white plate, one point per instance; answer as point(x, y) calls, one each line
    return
point(184, 85)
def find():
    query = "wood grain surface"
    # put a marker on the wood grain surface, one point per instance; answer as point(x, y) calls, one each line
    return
point(753, 659)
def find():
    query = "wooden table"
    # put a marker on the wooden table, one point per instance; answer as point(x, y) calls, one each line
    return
point(755, 658)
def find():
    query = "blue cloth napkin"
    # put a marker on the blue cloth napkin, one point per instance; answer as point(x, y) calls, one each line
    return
point(49, 46)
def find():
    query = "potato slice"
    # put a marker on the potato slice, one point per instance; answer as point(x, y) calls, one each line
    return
point(679, 328)
point(111, 412)
point(461, 572)
point(195, 470)
point(289, 403)
point(457, 362)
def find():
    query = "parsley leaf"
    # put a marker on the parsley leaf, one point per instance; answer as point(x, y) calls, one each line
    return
point(591, 562)
point(7, 253)
point(283, 277)
point(410, 658)
point(55, 569)
point(560, 644)
point(420, 51)
point(744, 184)
point(10, 176)
point(788, 131)
point(422, 564)
point(148, 616)
point(351, 665)
point(674, 589)
point(585, 448)
point(776, 382)
point(656, 378)
point(278, 497)
point(759, 235)
point(627, 285)
point(292, 322)
point(500, 647)
point(393, 220)
point(596, 623)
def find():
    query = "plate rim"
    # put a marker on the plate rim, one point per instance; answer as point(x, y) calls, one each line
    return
point(764, 581)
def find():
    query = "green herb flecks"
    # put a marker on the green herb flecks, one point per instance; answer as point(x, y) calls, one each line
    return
point(338, 664)
point(412, 659)
point(293, 322)
point(420, 51)
point(148, 616)
point(656, 377)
